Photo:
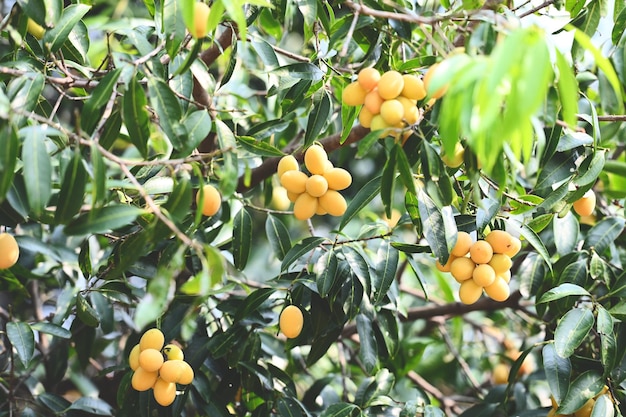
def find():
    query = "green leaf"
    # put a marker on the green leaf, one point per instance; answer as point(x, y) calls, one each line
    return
point(341, 410)
point(573, 140)
point(591, 171)
point(358, 264)
point(326, 272)
point(101, 220)
point(85, 312)
point(371, 389)
point(92, 111)
point(604, 233)
point(92, 406)
point(537, 224)
point(571, 330)
point(563, 290)
point(434, 230)
point(9, 143)
point(22, 338)
point(300, 249)
point(72, 189)
point(24, 93)
point(532, 273)
point(575, 273)
point(558, 371)
point(531, 237)
point(388, 181)
point(55, 38)
point(368, 349)
point(318, 118)
point(253, 301)
point(299, 71)
point(242, 238)
point(37, 170)
point(278, 236)
point(608, 344)
point(179, 201)
point(619, 26)
point(136, 116)
point(565, 230)
point(168, 109)
point(568, 89)
point(99, 173)
point(585, 386)
point(361, 200)
point(257, 147)
point(384, 271)
point(51, 329)
point(173, 26)
point(404, 168)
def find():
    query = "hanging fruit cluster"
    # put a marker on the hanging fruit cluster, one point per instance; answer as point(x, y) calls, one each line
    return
point(482, 265)
point(389, 100)
point(317, 193)
point(158, 367)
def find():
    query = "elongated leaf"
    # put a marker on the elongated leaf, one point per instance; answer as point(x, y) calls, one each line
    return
point(55, 38)
point(179, 201)
point(372, 389)
point(9, 144)
point(254, 301)
point(575, 273)
point(388, 182)
point(23, 340)
point(532, 238)
point(300, 249)
point(608, 344)
point(361, 200)
point(326, 271)
point(385, 271)
point(92, 406)
point(24, 94)
point(619, 26)
point(341, 410)
point(85, 312)
point(368, 349)
point(99, 172)
point(568, 90)
point(72, 190)
point(585, 386)
point(167, 108)
point(404, 168)
point(358, 265)
point(99, 98)
point(278, 236)
point(558, 371)
point(566, 230)
point(136, 117)
point(242, 238)
point(173, 26)
point(563, 290)
point(258, 147)
point(300, 71)
point(434, 230)
point(604, 233)
point(103, 219)
point(51, 329)
point(37, 171)
point(318, 118)
point(572, 330)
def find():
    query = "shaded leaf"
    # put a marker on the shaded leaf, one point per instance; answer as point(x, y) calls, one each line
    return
point(278, 236)
point(136, 117)
point(326, 271)
point(558, 371)
point(368, 349)
point(55, 37)
point(22, 338)
point(37, 171)
point(604, 233)
point(571, 330)
point(100, 220)
point(242, 238)
point(72, 192)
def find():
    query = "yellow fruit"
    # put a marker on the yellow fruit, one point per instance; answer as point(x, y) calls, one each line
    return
point(378, 123)
point(287, 163)
point(291, 321)
point(280, 198)
point(294, 181)
point(499, 290)
point(305, 206)
point(133, 357)
point(392, 112)
point(164, 392)
point(515, 247)
point(390, 85)
point(150, 359)
point(412, 115)
point(481, 252)
point(316, 185)
point(35, 29)
point(173, 352)
point(428, 77)
point(506, 276)
point(200, 20)
point(483, 275)
point(462, 245)
point(462, 269)
point(365, 117)
point(500, 240)
point(9, 251)
point(447, 266)
point(338, 179)
point(172, 370)
point(585, 205)
point(586, 409)
point(143, 380)
point(292, 196)
point(456, 159)
point(152, 339)
point(413, 87)
point(373, 101)
point(368, 78)
point(333, 203)
point(315, 159)
point(186, 376)
point(469, 292)
point(500, 263)
point(211, 200)
point(320, 210)
point(501, 373)
point(353, 94)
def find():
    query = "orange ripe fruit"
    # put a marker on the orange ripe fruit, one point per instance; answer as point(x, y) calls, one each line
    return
point(201, 13)
point(152, 339)
point(500, 263)
point(365, 117)
point(499, 240)
point(447, 266)
point(427, 79)
point(368, 78)
point(294, 181)
point(462, 269)
point(462, 245)
point(481, 252)
point(353, 94)
point(483, 275)
point(586, 409)
point(506, 276)
point(305, 206)
point(211, 200)
point(164, 392)
point(186, 376)
point(469, 292)
point(515, 247)
point(338, 178)
point(390, 85)
point(143, 380)
point(291, 321)
point(171, 370)
point(501, 373)
point(455, 160)
point(378, 123)
point(373, 101)
point(133, 357)
point(585, 205)
point(316, 185)
point(315, 159)
point(150, 359)
point(9, 251)
point(413, 87)
point(287, 163)
point(333, 202)
point(412, 115)
point(499, 290)
point(392, 112)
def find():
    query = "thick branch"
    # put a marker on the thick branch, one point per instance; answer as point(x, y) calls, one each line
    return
point(268, 167)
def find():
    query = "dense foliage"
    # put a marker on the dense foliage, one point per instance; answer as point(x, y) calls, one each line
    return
point(113, 117)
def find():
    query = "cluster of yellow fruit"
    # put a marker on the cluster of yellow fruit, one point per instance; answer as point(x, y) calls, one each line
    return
point(209, 200)
point(291, 321)
point(319, 192)
point(389, 100)
point(9, 251)
point(482, 265)
point(585, 410)
point(158, 367)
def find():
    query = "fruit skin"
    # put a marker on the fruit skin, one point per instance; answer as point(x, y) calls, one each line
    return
point(585, 205)
point(316, 185)
point(469, 292)
point(500, 241)
point(456, 160)
point(390, 85)
point(338, 179)
point(315, 159)
point(305, 207)
point(164, 392)
point(499, 290)
point(373, 101)
point(294, 181)
point(211, 200)
point(462, 269)
point(428, 77)
point(500, 263)
point(333, 203)
point(291, 321)
point(133, 357)
point(287, 163)
point(280, 198)
point(171, 370)
point(201, 13)
point(500, 373)
point(186, 377)
point(447, 266)
point(152, 339)
point(483, 275)
point(353, 94)
point(392, 112)
point(413, 87)
point(368, 78)
point(173, 352)
point(516, 245)
point(9, 251)
point(365, 117)
point(586, 409)
point(150, 360)
point(481, 252)
point(35, 29)
point(462, 245)
point(143, 380)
